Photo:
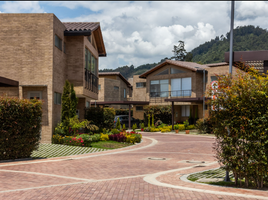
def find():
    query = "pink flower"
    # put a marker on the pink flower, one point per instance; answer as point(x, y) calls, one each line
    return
point(83, 144)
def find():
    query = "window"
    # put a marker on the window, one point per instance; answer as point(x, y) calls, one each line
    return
point(139, 108)
point(116, 88)
point(185, 111)
point(213, 78)
point(176, 71)
point(141, 85)
point(35, 94)
point(99, 87)
point(91, 63)
point(163, 72)
point(87, 104)
point(181, 87)
point(58, 42)
point(159, 88)
point(124, 93)
point(57, 98)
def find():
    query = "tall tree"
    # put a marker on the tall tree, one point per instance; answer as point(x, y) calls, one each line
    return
point(73, 102)
point(65, 102)
point(179, 51)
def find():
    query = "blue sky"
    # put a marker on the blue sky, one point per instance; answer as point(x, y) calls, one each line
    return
point(140, 32)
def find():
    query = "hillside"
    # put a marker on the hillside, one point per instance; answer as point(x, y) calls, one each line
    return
point(246, 38)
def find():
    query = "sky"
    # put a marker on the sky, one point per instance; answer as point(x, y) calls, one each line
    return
point(141, 32)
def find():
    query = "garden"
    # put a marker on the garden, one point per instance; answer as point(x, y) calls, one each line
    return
point(94, 131)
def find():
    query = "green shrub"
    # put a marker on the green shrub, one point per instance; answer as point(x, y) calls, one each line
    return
point(20, 121)
point(91, 128)
point(95, 137)
point(87, 139)
point(118, 125)
point(124, 127)
point(115, 131)
point(203, 126)
point(75, 125)
point(142, 125)
point(95, 115)
point(190, 127)
point(109, 114)
point(176, 127)
point(186, 123)
point(134, 127)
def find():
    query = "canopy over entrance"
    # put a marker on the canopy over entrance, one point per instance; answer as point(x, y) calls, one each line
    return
point(5, 82)
point(129, 103)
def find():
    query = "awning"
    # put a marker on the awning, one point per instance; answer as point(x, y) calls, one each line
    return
point(5, 82)
point(197, 99)
point(120, 102)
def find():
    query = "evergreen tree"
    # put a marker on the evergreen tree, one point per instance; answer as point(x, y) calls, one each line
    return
point(73, 102)
point(179, 51)
point(65, 102)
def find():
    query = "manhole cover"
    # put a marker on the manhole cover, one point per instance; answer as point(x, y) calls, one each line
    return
point(156, 158)
point(192, 161)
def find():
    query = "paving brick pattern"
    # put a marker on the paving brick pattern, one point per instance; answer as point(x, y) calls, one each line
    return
point(115, 174)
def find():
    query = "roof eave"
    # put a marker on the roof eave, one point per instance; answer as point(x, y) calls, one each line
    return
point(77, 33)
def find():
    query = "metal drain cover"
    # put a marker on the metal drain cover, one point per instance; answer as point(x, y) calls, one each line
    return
point(197, 162)
point(157, 159)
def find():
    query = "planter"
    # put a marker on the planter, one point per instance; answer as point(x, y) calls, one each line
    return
point(177, 131)
point(187, 131)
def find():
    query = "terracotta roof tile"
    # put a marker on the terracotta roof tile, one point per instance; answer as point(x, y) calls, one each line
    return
point(81, 26)
point(217, 64)
point(187, 65)
point(115, 73)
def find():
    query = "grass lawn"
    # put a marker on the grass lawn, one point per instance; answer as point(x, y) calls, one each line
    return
point(60, 150)
point(109, 145)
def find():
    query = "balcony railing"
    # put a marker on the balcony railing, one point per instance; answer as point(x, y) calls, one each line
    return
point(91, 81)
point(159, 97)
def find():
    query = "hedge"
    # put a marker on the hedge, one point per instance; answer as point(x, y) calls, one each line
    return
point(20, 121)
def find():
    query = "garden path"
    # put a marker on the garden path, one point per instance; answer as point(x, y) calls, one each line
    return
point(125, 173)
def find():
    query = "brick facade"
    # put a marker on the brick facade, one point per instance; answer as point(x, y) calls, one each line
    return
point(29, 56)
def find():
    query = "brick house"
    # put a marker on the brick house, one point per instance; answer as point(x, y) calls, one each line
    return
point(179, 83)
point(39, 52)
point(113, 86)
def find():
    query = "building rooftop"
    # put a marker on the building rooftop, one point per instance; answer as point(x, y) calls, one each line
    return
point(187, 65)
point(81, 26)
point(117, 74)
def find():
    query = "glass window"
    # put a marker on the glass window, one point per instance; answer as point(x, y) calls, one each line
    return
point(181, 87)
point(124, 93)
point(163, 72)
point(87, 59)
point(92, 65)
point(176, 71)
point(159, 88)
point(139, 108)
point(87, 104)
point(35, 94)
point(58, 42)
point(116, 88)
point(57, 98)
point(185, 111)
point(140, 84)
point(99, 87)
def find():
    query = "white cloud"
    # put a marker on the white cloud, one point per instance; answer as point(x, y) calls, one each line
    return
point(22, 6)
point(141, 32)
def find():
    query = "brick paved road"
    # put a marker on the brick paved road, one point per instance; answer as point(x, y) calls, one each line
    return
point(120, 174)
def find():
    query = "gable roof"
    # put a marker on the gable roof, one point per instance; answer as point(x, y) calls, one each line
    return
point(183, 64)
point(81, 26)
point(86, 28)
point(117, 74)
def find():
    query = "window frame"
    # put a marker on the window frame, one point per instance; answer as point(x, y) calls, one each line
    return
point(185, 111)
point(143, 84)
point(58, 42)
point(137, 108)
point(29, 94)
point(57, 98)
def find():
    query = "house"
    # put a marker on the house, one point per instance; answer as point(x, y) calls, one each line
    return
point(113, 86)
point(178, 83)
point(39, 52)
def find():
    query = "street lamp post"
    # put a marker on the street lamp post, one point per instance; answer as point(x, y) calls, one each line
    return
point(231, 60)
